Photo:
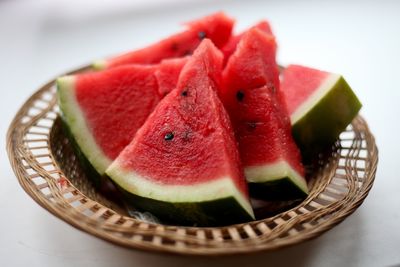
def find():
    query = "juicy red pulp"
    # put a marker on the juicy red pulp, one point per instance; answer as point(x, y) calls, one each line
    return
point(299, 83)
point(188, 139)
point(116, 103)
point(255, 104)
point(229, 48)
point(217, 27)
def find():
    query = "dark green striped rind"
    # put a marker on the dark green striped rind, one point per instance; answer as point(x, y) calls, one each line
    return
point(90, 171)
point(219, 212)
point(102, 183)
point(321, 126)
point(279, 189)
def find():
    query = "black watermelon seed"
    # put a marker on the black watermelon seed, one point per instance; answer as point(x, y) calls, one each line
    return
point(201, 35)
point(252, 125)
point(240, 95)
point(184, 93)
point(174, 47)
point(271, 87)
point(169, 136)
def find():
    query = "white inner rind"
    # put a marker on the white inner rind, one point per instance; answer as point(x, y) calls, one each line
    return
point(315, 97)
point(99, 64)
point(76, 121)
point(275, 171)
point(136, 184)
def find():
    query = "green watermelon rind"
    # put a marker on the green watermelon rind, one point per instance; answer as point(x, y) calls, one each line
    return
point(276, 181)
point(90, 171)
point(184, 204)
point(75, 120)
point(318, 123)
point(224, 211)
point(281, 189)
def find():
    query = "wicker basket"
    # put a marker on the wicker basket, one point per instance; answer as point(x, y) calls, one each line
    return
point(49, 172)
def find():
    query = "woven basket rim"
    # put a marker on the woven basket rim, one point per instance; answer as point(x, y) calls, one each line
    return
point(188, 243)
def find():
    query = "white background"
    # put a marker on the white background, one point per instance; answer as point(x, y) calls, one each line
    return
point(42, 39)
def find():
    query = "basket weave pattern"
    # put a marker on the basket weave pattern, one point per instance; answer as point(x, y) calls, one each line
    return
point(49, 172)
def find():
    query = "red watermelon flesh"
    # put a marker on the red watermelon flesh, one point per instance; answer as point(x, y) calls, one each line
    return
point(103, 110)
point(217, 27)
point(254, 102)
point(103, 96)
point(196, 119)
point(263, 131)
point(256, 55)
point(229, 48)
point(186, 151)
point(167, 74)
point(299, 83)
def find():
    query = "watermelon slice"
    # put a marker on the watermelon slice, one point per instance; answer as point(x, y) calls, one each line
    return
point(230, 46)
point(251, 94)
point(167, 74)
point(217, 27)
point(168, 77)
point(103, 110)
point(320, 104)
point(183, 165)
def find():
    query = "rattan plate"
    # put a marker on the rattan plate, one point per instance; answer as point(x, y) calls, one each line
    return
point(49, 172)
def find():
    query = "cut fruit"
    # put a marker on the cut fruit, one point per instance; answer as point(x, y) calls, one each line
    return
point(103, 110)
point(251, 94)
point(229, 48)
point(320, 104)
point(183, 165)
point(167, 74)
point(217, 27)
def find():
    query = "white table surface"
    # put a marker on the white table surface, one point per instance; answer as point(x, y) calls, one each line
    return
point(41, 39)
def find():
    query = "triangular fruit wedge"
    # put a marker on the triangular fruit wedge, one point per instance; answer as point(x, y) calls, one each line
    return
point(183, 165)
point(217, 27)
point(250, 92)
point(229, 48)
point(103, 110)
point(320, 105)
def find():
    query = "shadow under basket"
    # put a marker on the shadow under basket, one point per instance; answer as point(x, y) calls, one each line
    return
point(49, 171)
